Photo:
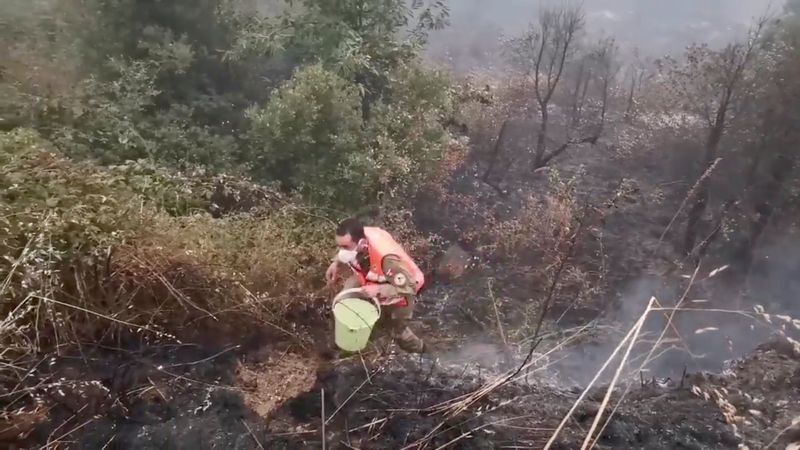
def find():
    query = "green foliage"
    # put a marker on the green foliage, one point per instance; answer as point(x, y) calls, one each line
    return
point(120, 120)
point(158, 87)
point(53, 210)
point(349, 35)
point(167, 83)
point(311, 137)
point(125, 239)
point(406, 135)
point(361, 40)
point(308, 134)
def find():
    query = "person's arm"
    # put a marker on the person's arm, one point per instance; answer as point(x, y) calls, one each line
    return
point(399, 282)
point(334, 269)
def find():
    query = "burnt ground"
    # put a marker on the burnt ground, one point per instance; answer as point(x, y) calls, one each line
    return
point(268, 393)
point(726, 391)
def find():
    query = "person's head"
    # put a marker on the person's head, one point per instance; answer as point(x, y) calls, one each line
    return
point(350, 239)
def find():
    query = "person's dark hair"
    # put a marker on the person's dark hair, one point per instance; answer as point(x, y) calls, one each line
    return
point(351, 226)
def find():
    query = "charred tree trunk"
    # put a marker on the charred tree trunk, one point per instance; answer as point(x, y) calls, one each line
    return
point(637, 79)
point(604, 106)
point(584, 93)
point(631, 93)
point(698, 209)
point(495, 156)
point(541, 140)
point(577, 95)
point(769, 198)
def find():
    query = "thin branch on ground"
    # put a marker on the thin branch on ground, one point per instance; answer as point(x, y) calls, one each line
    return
point(614, 380)
point(252, 434)
point(594, 380)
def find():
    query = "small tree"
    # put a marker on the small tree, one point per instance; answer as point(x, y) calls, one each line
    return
point(772, 159)
point(361, 40)
point(711, 85)
point(543, 51)
point(636, 75)
point(606, 58)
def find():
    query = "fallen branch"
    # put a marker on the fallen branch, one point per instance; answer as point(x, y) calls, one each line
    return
point(587, 140)
point(459, 404)
point(252, 435)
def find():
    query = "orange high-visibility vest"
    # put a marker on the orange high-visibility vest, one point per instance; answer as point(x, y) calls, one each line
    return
point(382, 244)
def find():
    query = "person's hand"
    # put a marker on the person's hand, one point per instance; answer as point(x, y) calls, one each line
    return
point(332, 272)
point(371, 290)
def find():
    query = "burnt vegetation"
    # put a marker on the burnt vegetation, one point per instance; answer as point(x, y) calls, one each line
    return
point(610, 237)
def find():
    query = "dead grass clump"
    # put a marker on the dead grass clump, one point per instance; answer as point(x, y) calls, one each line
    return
point(543, 233)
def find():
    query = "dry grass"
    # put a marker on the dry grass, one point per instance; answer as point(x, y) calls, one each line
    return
point(91, 257)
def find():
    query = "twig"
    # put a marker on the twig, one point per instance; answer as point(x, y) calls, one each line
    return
point(252, 434)
point(364, 365)
point(53, 443)
point(671, 317)
point(352, 394)
point(794, 424)
point(469, 432)
point(204, 359)
point(683, 376)
point(686, 199)
point(373, 423)
point(103, 316)
point(497, 315)
point(109, 442)
point(322, 403)
point(585, 392)
point(179, 296)
point(460, 403)
point(614, 380)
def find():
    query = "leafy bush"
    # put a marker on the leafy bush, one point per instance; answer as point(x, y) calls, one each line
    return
point(308, 136)
point(405, 135)
point(120, 120)
point(127, 248)
point(311, 137)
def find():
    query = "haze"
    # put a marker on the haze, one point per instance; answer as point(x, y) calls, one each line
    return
point(656, 27)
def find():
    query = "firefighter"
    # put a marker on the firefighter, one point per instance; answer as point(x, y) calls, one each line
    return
point(384, 271)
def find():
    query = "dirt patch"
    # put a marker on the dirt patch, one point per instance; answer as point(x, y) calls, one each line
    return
point(267, 385)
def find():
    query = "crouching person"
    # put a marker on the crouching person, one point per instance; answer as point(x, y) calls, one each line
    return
point(383, 270)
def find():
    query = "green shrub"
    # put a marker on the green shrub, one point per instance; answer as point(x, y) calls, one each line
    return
point(312, 138)
point(120, 120)
point(308, 136)
point(131, 247)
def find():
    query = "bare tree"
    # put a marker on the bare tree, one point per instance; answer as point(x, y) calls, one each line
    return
point(606, 55)
point(636, 74)
point(582, 76)
point(543, 51)
point(711, 84)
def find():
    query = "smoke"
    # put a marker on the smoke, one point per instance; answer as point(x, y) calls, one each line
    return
point(718, 326)
point(656, 27)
